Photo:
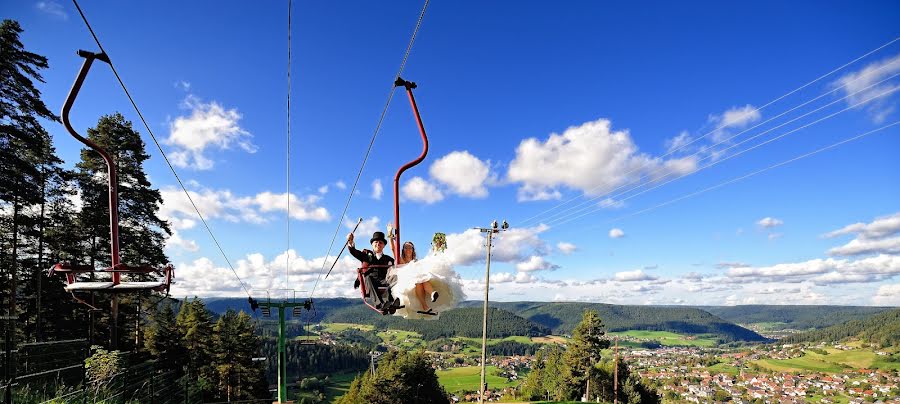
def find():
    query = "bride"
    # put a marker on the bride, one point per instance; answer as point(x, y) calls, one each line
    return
point(427, 286)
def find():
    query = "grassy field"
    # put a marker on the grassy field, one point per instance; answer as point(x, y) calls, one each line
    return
point(405, 340)
point(724, 368)
point(469, 377)
point(666, 338)
point(550, 339)
point(800, 364)
point(338, 327)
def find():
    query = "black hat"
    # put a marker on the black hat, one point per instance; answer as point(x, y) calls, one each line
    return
point(377, 236)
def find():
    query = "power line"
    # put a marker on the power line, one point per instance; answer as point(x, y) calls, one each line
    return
point(582, 212)
point(562, 213)
point(371, 142)
point(741, 152)
point(726, 124)
point(158, 146)
point(743, 177)
point(287, 268)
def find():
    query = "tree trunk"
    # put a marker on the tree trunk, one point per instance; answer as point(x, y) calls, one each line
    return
point(40, 279)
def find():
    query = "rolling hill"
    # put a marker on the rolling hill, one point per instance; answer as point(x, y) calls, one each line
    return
point(562, 318)
point(526, 318)
point(882, 328)
point(793, 317)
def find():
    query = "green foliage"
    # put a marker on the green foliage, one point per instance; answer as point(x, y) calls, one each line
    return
point(882, 329)
point(795, 317)
point(400, 378)
point(562, 318)
point(584, 349)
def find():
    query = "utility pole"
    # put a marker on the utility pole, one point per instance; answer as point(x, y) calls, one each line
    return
point(616, 373)
point(487, 287)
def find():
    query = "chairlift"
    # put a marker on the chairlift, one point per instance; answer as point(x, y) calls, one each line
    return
point(115, 284)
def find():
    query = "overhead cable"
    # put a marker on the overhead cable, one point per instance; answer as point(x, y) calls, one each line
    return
point(158, 146)
point(362, 166)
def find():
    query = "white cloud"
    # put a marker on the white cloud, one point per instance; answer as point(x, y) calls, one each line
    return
point(823, 271)
point(566, 248)
point(529, 193)
point(513, 245)
point(302, 208)
point(377, 189)
point(610, 203)
point(507, 277)
point(464, 173)
point(591, 158)
point(634, 276)
point(183, 85)
point(738, 117)
point(365, 229)
point(535, 263)
point(887, 295)
point(861, 85)
point(175, 242)
point(323, 189)
point(880, 227)
point(724, 265)
point(340, 185)
point(862, 246)
point(775, 236)
point(52, 8)
point(261, 275)
point(223, 204)
point(769, 222)
point(616, 233)
point(209, 125)
point(419, 189)
point(732, 118)
point(678, 142)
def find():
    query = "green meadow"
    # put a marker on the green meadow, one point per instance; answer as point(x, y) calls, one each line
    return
point(666, 338)
point(467, 378)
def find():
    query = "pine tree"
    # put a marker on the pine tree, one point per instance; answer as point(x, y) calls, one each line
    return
point(400, 378)
point(196, 329)
point(162, 338)
point(584, 350)
point(24, 146)
point(141, 231)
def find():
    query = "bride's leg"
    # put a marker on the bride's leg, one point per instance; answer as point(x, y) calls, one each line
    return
point(420, 294)
point(428, 291)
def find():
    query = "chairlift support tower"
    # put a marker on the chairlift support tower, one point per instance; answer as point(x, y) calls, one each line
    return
point(296, 308)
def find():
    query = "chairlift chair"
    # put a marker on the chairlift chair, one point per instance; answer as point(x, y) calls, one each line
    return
point(115, 284)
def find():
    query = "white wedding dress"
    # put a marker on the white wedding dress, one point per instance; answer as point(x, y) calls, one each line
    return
point(434, 268)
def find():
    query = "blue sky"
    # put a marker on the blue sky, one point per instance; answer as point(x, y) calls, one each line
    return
point(531, 109)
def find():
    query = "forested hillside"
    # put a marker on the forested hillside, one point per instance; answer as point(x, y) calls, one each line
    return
point(526, 318)
point(795, 317)
point(882, 328)
point(562, 318)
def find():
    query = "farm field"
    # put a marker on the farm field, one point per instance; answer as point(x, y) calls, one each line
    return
point(665, 338)
point(800, 364)
point(338, 327)
point(468, 378)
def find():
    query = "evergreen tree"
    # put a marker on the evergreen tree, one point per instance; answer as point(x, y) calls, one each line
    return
point(195, 328)
point(162, 339)
point(584, 350)
point(141, 231)
point(24, 146)
point(400, 378)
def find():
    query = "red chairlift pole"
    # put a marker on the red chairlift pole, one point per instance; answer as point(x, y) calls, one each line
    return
point(110, 163)
point(396, 246)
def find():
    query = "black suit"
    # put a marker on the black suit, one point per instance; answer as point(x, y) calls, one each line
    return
point(376, 276)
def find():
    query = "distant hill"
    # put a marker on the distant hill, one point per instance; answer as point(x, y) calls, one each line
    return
point(882, 328)
point(562, 318)
point(524, 318)
point(795, 317)
point(461, 322)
